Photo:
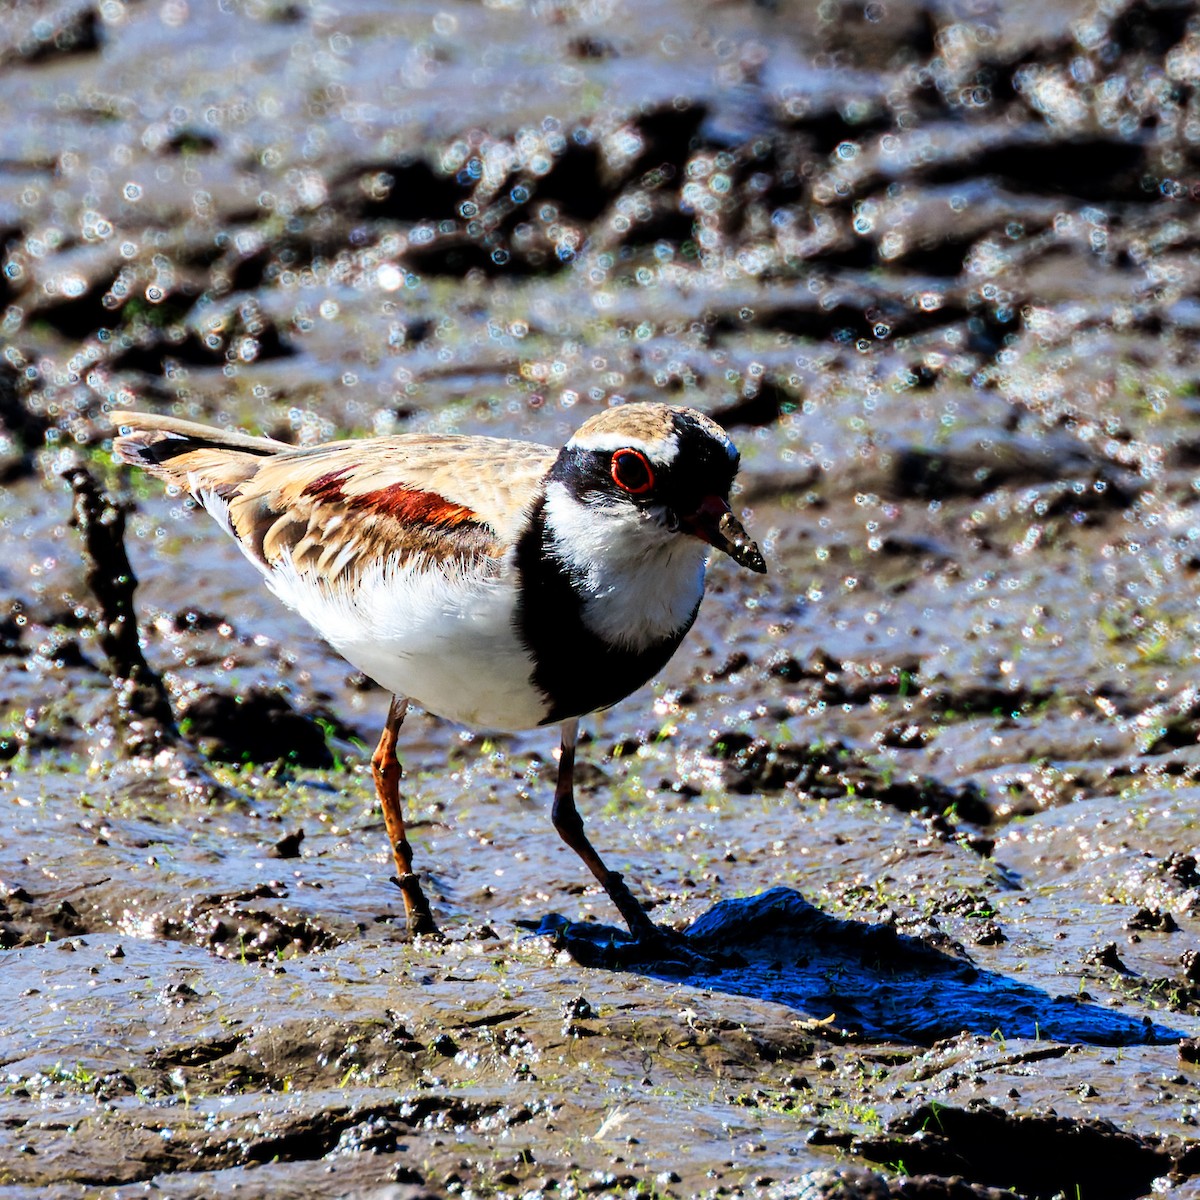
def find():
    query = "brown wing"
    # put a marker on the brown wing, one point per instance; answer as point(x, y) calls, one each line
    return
point(337, 507)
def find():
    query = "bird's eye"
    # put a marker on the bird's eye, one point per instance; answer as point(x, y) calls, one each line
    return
point(631, 472)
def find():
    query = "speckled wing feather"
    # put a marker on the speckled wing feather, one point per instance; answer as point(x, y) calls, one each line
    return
point(336, 508)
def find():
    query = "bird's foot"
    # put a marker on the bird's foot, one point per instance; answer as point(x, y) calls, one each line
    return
point(666, 947)
point(650, 946)
point(416, 908)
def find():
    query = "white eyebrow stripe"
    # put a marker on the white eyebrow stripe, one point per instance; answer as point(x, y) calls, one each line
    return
point(662, 452)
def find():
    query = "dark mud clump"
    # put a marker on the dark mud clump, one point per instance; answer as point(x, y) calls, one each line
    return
point(1039, 1157)
point(144, 704)
point(256, 726)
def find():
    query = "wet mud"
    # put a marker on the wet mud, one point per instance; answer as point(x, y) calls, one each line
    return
point(922, 801)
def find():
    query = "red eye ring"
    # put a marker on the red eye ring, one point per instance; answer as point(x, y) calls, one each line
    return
point(631, 472)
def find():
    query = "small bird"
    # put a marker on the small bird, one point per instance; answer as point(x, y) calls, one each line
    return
point(500, 584)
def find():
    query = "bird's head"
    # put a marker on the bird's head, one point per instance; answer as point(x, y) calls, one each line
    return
point(656, 473)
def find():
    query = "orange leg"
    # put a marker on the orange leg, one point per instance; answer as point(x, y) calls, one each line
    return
point(569, 824)
point(385, 767)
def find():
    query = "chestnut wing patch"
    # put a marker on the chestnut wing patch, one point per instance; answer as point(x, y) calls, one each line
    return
point(413, 507)
point(334, 526)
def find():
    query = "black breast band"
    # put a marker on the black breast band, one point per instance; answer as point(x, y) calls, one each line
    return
point(577, 671)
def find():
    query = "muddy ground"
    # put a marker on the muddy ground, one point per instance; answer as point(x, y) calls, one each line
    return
point(926, 794)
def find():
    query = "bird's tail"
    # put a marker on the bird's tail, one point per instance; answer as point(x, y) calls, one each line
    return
point(196, 458)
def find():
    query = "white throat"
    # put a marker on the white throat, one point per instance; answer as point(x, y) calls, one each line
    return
point(639, 582)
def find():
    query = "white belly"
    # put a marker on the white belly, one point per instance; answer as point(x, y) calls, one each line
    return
point(447, 642)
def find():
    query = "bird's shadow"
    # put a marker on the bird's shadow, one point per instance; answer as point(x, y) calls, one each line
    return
point(871, 979)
